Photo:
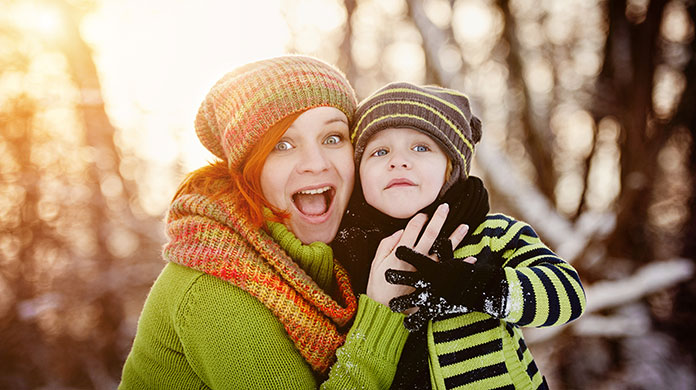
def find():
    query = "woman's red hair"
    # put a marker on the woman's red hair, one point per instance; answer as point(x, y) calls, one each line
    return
point(217, 179)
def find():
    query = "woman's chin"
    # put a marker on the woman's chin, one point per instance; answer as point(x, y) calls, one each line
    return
point(322, 237)
point(308, 232)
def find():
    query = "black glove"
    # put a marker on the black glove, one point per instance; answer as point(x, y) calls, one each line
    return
point(429, 305)
point(448, 286)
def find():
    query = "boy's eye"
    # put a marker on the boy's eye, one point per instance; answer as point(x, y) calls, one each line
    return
point(332, 140)
point(283, 145)
point(379, 153)
point(420, 148)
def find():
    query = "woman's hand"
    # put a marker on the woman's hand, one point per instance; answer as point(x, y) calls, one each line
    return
point(378, 289)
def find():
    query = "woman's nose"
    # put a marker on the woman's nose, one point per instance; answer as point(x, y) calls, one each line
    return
point(314, 160)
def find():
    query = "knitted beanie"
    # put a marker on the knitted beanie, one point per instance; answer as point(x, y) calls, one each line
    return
point(244, 104)
point(441, 113)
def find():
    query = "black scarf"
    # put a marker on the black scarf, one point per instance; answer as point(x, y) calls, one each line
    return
point(362, 229)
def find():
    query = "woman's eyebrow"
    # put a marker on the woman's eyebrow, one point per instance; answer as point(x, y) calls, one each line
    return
point(337, 119)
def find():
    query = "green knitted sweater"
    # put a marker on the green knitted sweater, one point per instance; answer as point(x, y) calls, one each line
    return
point(197, 331)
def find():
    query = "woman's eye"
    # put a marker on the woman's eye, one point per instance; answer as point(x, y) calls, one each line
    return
point(421, 148)
point(379, 152)
point(332, 140)
point(283, 145)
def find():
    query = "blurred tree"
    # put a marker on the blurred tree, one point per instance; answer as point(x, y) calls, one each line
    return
point(68, 231)
point(625, 91)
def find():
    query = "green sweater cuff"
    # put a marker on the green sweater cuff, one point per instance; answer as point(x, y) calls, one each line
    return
point(380, 331)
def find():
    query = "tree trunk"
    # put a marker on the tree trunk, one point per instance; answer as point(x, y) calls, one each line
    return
point(627, 77)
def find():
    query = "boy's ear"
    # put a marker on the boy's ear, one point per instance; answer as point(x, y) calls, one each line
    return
point(448, 171)
point(475, 125)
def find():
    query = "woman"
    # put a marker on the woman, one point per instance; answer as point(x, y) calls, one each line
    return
point(251, 296)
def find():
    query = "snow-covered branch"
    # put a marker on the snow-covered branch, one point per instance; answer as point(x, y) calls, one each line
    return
point(648, 279)
point(568, 239)
point(608, 294)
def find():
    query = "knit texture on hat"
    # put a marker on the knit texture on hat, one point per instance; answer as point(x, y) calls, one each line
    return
point(245, 103)
point(441, 113)
point(212, 236)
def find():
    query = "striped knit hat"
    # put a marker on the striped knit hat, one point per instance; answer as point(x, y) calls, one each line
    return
point(245, 103)
point(441, 113)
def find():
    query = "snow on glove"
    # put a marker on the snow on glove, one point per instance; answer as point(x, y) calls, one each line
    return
point(429, 305)
point(450, 285)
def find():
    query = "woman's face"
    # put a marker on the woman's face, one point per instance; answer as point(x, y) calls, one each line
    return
point(310, 174)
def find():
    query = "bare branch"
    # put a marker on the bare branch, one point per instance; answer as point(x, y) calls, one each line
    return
point(345, 59)
point(538, 138)
point(433, 39)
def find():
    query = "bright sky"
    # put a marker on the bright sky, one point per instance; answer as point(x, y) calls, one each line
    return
point(157, 59)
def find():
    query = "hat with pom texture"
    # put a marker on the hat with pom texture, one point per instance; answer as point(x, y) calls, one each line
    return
point(243, 105)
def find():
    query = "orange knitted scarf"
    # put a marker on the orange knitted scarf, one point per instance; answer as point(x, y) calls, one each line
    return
point(212, 236)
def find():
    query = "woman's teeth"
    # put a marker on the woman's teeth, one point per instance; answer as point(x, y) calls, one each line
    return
point(315, 191)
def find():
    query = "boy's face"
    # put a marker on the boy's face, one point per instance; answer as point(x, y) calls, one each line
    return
point(402, 171)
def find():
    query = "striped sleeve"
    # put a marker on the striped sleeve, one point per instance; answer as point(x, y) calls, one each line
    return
point(543, 289)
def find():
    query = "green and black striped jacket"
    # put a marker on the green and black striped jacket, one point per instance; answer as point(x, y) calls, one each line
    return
point(476, 351)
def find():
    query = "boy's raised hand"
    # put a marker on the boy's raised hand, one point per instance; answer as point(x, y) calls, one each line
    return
point(447, 286)
point(385, 258)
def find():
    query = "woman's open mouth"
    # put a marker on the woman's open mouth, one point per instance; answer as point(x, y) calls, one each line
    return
point(314, 202)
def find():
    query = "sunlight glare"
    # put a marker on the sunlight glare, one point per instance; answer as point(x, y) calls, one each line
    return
point(474, 21)
point(39, 18)
point(636, 10)
point(392, 8)
point(158, 69)
point(574, 131)
point(567, 191)
point(539, 76)
point(398, 67)
point(668, 88)
point(676, 26)
point(476, 26)
point(439, 12)
point(604, 176)
point(158, 59)
point(450, 58)
point(324, 15)
point(317, 20)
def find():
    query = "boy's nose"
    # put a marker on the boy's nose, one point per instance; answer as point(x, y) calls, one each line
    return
point(402, 164)
point(399, 161)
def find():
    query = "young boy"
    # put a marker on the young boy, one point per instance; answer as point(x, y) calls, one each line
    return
point(413, 151)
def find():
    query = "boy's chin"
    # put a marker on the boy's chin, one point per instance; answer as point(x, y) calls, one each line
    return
point(400, 213)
